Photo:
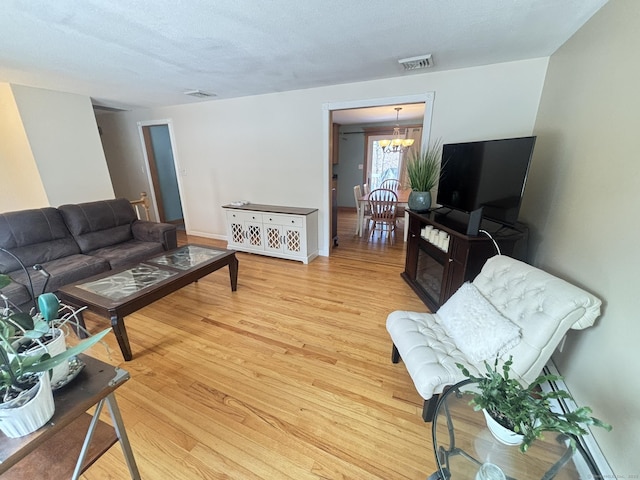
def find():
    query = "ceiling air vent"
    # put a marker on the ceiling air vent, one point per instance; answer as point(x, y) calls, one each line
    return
point(106, 108)
point(415, 63)
point(199, 94)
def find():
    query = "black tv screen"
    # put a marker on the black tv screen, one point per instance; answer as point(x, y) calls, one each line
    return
point(489, 174)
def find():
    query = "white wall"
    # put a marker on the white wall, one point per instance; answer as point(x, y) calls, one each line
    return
point(582, 202)
point(269, 148)
point(63, 137)
point(20, 184)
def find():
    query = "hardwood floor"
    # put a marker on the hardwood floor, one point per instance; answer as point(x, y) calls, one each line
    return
point(290, 377)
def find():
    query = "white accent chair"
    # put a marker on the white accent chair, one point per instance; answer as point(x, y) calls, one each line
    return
point(542, 306)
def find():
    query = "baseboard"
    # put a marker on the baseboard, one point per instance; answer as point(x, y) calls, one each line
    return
point(588, 442)
point(214, 236)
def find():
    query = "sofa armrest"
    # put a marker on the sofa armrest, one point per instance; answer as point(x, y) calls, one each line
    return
point(164, 233)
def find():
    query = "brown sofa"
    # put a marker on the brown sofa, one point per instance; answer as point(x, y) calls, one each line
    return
point(73, 242)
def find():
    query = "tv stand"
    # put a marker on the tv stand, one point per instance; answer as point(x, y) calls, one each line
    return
point(435, 273)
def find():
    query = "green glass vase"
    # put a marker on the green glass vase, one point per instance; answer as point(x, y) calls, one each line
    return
point(419, 201)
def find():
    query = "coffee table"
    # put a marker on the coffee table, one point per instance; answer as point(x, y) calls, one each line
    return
point(120, 292)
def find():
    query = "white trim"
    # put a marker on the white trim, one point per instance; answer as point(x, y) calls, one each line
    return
point(426, 98)
point(215, 236)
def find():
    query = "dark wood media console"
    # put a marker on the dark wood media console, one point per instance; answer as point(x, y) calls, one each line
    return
point(436, 272)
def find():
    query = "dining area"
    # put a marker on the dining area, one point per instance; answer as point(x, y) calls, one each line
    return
point(381, 210)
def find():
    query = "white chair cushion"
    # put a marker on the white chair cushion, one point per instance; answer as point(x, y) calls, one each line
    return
point(429, 354)
point(477, 328)
point(543, 307)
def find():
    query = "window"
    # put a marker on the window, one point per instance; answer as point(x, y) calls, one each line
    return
point(381, 165)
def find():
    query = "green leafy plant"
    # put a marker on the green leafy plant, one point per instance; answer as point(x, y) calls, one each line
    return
point(527, 410)
point(423, 168)
point(18, 370)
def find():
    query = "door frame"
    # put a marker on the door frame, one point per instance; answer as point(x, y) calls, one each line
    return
point(327, 109)
point(176, 165)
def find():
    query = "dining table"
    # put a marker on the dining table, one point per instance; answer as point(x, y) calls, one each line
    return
point(403, 200)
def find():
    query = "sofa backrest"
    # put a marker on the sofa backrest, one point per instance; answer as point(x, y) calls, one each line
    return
point(34, 236)
point(99, 224)
point(545, 307)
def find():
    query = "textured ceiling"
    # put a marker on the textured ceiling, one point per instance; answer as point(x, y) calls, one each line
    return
point(147, 53)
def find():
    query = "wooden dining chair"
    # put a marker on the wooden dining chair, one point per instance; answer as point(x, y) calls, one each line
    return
point(366, 215)
point(384, 205)
point(391, 184)
point(395, 185)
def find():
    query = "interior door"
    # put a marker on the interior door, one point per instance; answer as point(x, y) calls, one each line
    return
point(163, 173)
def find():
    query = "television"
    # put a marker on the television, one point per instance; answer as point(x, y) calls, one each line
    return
point(488, 175)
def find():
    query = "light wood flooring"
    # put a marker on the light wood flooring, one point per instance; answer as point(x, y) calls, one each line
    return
point(290, 377)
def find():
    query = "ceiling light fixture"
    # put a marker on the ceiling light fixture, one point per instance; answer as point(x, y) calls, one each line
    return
point(398, 142)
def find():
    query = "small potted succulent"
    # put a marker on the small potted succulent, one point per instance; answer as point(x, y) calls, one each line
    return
point(26, 398)
point(423, 172)
point(525, 412)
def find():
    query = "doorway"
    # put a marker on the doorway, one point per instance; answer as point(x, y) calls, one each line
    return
point(163, 177)
point(367, 116)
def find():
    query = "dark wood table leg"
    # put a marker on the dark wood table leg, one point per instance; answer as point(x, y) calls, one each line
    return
point(233, 272)
point(120, 331)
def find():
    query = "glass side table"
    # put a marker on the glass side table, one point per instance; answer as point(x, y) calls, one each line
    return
point(463, 444)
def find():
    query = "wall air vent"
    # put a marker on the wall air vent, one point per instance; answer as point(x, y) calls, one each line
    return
point(415, 63)
point(199, 94)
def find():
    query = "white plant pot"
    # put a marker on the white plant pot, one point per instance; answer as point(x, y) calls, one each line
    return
point(21, 420)
point(502, 434)
point(56, 346)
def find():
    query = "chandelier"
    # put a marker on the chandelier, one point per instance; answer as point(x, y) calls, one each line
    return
point(398, 143)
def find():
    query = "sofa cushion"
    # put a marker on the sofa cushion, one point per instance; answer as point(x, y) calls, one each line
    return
point(132, 251)
point(18, 295)
point(63, 271)
point(34, 236)
point(96, 225)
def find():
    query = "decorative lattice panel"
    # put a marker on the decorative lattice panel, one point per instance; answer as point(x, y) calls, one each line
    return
point(255, 235)
point(273, 238)
point(236, 232)
point(294, 241)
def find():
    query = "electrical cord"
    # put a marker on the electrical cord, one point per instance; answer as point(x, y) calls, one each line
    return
point(492, 239)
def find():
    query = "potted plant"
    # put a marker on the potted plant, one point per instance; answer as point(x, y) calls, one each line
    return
point(46, 330)
point(26, 399)
point(526, 411)
point(423, 171)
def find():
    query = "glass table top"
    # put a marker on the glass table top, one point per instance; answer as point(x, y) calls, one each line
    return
point(187, 257)
point(127, 282)
point(463, 443)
